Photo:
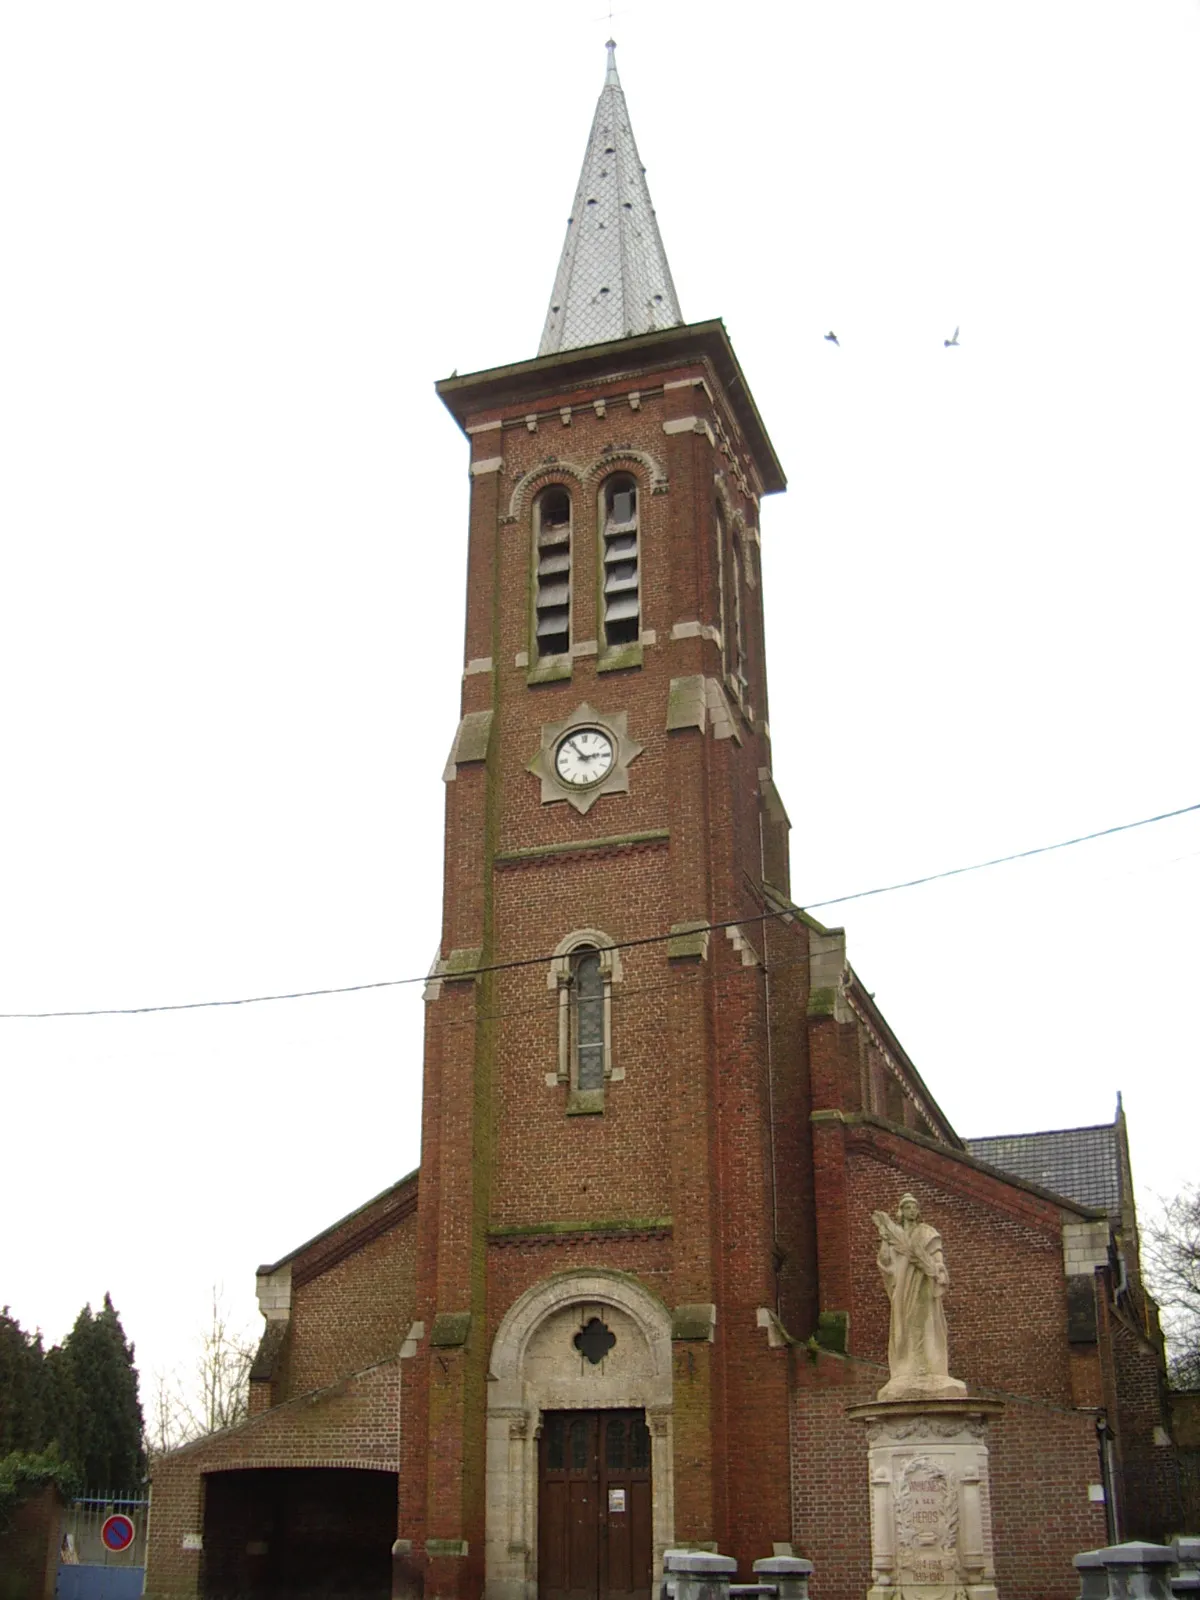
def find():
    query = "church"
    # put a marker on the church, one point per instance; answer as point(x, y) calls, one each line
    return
point(630, 1295)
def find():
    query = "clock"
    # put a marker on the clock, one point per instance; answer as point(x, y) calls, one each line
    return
point(584, 756)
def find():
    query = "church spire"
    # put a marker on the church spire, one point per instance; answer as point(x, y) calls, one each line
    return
point(613, 279)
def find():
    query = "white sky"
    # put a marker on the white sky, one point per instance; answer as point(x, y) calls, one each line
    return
point(241, 243)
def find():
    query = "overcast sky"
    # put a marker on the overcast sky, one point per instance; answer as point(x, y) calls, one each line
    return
point(243, 239)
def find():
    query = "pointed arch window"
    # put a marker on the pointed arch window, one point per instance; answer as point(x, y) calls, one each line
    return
point(621, 606)
point(552, 573)
point(584, 969)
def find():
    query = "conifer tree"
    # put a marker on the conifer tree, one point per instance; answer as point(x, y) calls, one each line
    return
point(21, 1410)
point(60, 1404)
point(99, 1383)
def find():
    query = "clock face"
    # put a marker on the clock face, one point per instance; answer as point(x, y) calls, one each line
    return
point(584, 757)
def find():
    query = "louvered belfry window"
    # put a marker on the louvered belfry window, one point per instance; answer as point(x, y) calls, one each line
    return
point(587, 984)
point(553, 553)
point(622, 594)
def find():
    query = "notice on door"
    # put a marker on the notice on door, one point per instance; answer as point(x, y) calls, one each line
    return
point(616, 1500)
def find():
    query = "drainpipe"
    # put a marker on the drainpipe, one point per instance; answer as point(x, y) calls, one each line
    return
point(1104, 1442)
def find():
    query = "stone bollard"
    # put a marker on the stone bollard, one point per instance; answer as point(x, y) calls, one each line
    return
point(698, 1574)
point(1138, 1571)
point(1187, 1579)
point(1093, 1580)
point(789, 1574)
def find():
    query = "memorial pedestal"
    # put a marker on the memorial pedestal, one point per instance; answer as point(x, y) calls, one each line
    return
point(931, 1517)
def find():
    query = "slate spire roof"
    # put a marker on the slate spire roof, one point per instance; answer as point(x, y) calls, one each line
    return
point(613, 279)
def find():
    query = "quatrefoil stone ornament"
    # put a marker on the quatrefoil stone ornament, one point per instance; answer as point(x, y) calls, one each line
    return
point(594, 1341)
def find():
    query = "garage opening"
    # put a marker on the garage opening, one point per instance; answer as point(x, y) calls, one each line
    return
point(298, 1533)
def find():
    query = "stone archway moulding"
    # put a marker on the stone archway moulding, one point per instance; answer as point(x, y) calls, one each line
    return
point(533, 1368)
point(547, 472)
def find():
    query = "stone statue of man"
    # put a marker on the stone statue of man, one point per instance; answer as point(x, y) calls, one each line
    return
point(915, 1277)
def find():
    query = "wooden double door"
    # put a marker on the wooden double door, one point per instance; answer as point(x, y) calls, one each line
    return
point(595, 1522)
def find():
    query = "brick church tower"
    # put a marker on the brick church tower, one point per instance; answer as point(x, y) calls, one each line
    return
point(630, 1295)
point(601, 1244)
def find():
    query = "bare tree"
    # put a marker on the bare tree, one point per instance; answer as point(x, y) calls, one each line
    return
point(1171, 1245)
point(212, 1394)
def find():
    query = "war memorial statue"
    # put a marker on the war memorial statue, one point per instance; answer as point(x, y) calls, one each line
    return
point(915, 1277)
point(927, 1466)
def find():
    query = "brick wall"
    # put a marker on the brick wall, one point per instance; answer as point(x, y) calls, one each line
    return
point(1042, 1458)
point(29, 1547)
point(353, 1315)
point(1007, 1317)
point(1006, 1306)
point(1150, 1486)
point(681, 1157)
point(355, 1422)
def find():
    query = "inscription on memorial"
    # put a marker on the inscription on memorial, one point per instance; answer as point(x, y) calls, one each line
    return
point(926, 1523)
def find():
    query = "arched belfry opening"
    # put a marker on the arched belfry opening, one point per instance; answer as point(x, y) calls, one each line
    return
point(579, 1432)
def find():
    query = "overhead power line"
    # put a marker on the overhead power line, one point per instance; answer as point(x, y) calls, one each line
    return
point(620, 944)
point(999, 861)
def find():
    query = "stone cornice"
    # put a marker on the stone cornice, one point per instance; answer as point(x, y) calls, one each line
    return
point(540, 854)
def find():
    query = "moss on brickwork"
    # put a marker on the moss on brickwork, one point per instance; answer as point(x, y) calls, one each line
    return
point(462, 963)
point(695, 1322)
point(833, 1331)
point(553, 670)
point(624, 1225)
point(450, 1328)
point(620, 658)
point(688, 939)
point(822, 1002)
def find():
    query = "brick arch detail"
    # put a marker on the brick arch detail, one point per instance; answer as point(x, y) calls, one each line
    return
point(544, 476)
point(616, 461)
point(517, 1396)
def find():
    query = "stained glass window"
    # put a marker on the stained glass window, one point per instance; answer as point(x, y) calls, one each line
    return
point(589, 1020)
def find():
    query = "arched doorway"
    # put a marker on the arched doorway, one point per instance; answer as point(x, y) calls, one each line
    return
point(582, 1362)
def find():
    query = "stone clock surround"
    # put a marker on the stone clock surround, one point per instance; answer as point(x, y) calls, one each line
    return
point(625, 750)
point(535, 1367)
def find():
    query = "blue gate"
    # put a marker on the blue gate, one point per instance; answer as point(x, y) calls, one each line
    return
point(87, 1569)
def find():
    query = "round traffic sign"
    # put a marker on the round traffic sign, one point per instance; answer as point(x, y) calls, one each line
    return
point(118, 1532)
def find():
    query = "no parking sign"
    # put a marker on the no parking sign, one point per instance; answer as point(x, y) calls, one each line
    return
point(118, 1533)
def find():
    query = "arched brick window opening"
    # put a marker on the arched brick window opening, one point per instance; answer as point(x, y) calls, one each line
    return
point(583, 971)
point(552, 569)
point(620, 561)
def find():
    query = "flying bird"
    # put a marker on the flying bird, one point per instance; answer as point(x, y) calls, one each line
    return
point(949, 342)
point(833, 338)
